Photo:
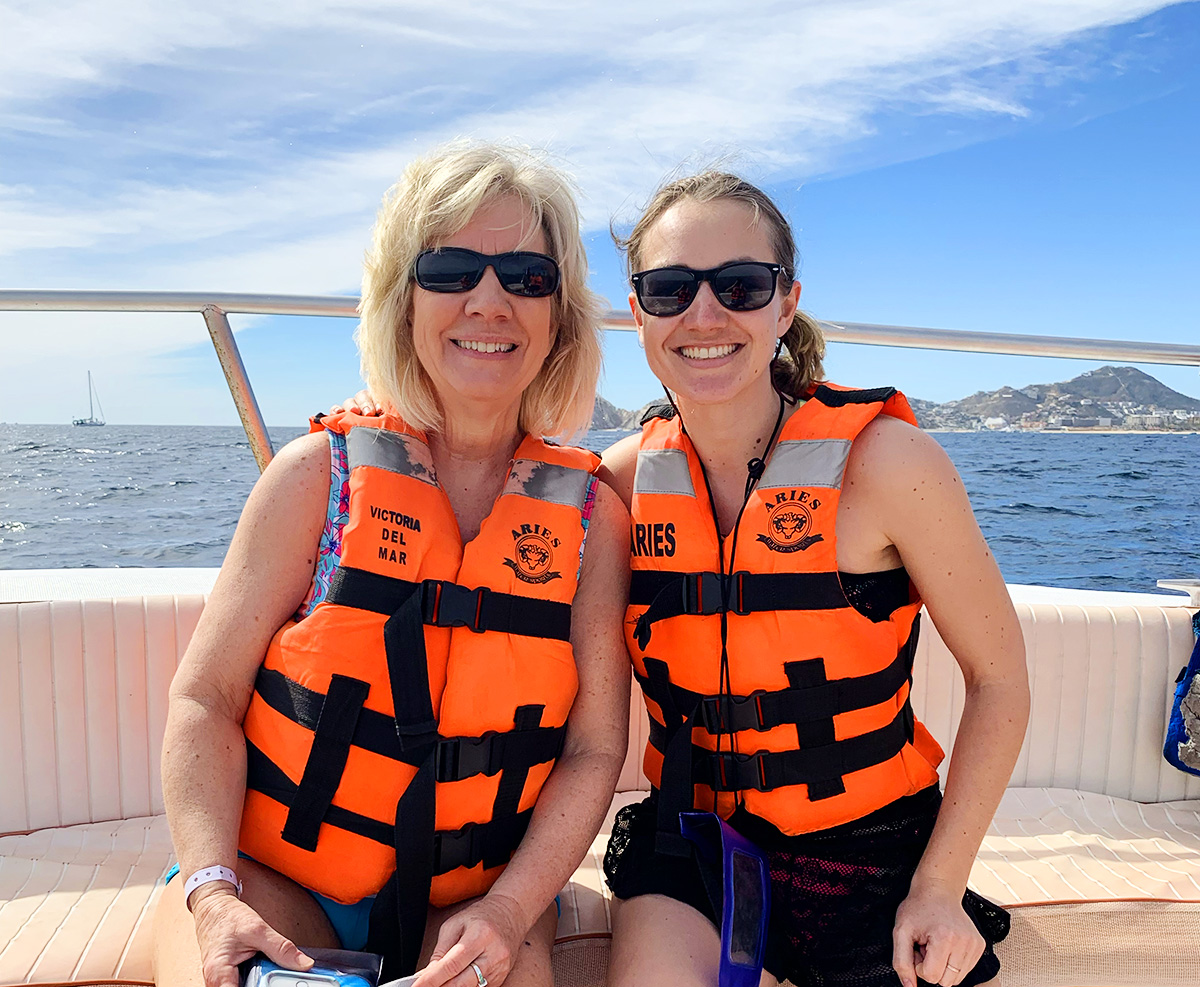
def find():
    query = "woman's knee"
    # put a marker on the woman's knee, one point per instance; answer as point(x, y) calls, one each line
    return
point(661, 942)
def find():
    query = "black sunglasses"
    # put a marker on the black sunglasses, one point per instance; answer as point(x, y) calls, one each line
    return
point(742, 286)
point(520, 272)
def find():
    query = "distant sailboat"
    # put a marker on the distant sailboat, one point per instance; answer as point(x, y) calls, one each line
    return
point(91, 418)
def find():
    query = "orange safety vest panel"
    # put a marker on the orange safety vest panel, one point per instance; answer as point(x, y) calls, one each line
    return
point(415, 714)
point(814, 727)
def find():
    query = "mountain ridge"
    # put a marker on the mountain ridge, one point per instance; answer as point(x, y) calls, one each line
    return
point(1117, 397)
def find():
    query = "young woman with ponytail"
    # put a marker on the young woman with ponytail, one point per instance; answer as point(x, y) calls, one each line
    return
point(786, 532)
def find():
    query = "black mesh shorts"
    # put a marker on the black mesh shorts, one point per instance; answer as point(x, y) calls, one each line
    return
point(834, 893)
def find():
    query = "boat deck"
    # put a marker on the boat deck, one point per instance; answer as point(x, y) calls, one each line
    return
point(1095, 847)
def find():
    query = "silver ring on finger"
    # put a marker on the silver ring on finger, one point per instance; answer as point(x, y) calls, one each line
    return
point(480, 979)
point(953, 969)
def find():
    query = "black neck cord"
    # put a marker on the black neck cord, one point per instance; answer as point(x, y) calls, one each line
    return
point(754, 472)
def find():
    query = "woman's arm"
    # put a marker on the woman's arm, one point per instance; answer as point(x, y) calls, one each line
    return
point(904, 484)
point(579, 790)
point(265, 576)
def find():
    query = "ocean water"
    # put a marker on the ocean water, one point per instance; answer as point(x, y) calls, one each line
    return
point(1085, 511)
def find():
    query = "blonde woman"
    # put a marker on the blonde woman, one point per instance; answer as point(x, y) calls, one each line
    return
point(401, 718)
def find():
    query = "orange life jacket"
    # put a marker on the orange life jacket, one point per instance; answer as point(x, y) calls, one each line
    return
point(814, 727)
point(415, 714)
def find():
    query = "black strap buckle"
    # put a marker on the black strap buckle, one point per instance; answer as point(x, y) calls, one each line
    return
point(728, 714)
point(737, 593)
point(703, 593)
point(465, 757)
point(446, 604)
point(738, 772)
point(463, 848)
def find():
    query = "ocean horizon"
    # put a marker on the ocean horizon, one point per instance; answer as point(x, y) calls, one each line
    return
point(1075, 509)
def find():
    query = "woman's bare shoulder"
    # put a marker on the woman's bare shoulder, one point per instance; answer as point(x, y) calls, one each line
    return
point(889, 452)
point(304, 453)
point(619, 463)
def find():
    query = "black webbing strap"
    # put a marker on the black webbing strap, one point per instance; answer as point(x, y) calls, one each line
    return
point(832, 398)
point(446, 604)
point(670, 594)
point(397, 922)
point(465, 757)
point(332, 737)
point(375, 731)
point(809, 675)
point(408, 674)
point(676, 790)
point(514, 775)
point(767, 770)
point(406, 899)
point(263, 775)
point(491, 843)
point(457, 757)
point(806, 701)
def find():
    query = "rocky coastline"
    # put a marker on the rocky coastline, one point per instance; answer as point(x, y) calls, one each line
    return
point(1109, 399)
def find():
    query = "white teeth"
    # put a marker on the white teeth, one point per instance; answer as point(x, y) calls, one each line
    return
point(707, 352)
point(480, 347)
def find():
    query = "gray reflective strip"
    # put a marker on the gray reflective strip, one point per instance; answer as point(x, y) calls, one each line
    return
point(544, 481)
point(391, 451)
point(663, 471)
point(807, 463)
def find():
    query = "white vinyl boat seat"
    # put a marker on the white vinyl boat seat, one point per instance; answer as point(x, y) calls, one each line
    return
point(1095, 848)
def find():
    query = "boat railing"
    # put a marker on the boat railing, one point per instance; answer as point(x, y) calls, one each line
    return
point(216, 307)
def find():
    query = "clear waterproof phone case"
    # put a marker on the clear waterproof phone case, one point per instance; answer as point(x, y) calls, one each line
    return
point(333, 968)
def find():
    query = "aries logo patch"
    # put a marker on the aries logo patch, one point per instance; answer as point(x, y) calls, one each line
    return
point(789, 521)
point(533, 548)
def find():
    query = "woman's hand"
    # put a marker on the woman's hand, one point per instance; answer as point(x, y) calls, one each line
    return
point(487, 933)
point(230, 931)
point(934, 938)
point(361, 404)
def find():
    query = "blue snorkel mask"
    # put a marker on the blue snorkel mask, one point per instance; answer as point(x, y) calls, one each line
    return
point(738, 884)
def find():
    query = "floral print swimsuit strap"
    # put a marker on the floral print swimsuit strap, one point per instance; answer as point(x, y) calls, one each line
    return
point(329, 551)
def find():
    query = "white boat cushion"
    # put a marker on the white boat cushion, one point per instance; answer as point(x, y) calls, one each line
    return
point(1101, 679)
point(76, 902)
point(1059, 845)
point(83, 697)
point(1093, 882)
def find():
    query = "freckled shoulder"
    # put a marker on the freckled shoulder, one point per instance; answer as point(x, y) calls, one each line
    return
point(890, 448)
point(619, 463)
point(302, 458)
point(897, 471)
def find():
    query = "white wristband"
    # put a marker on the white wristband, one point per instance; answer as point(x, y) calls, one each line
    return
point(206, 875)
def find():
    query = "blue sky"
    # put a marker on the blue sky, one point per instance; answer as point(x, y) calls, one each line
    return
point(1021, 166)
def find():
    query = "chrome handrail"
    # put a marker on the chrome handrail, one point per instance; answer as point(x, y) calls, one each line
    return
point(216, 306)
point(343, 306)
point(968, 341)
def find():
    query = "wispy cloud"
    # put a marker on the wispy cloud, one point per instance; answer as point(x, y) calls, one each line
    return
point(244, 145)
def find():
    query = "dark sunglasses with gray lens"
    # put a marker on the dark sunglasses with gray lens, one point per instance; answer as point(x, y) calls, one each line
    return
point(454, 269)
point(743, 286)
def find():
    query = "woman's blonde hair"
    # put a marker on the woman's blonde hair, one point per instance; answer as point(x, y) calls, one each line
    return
point(799, 363)
point(436, 197)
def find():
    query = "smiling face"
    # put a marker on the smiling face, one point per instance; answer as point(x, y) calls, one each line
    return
point(708, 354)
point(485, 346)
